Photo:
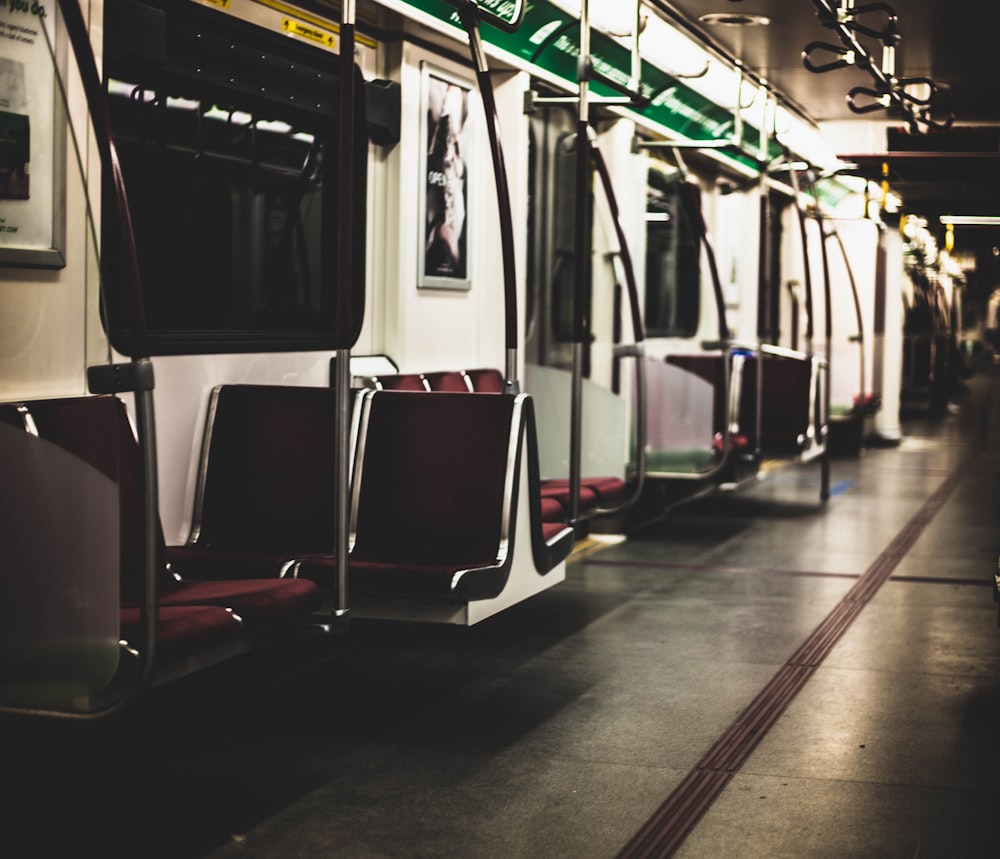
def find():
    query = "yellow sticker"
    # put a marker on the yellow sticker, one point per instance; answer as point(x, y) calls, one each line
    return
point(304, 31)
point(222, 4)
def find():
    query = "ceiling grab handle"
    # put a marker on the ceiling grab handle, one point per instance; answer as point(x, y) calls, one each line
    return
point(849, 18)
point(888, 91)
point(879, 100)
point(845, 57)
point(913, 98)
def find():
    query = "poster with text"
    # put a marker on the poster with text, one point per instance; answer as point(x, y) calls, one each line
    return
point(32, 123)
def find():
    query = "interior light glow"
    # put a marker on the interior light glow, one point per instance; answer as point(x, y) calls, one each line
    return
point(970, 220)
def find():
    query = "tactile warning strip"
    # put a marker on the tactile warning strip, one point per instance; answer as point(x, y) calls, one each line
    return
point(673, 821)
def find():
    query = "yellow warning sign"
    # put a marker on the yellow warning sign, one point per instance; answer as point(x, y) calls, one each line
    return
point(221, 4)
point(305, 31)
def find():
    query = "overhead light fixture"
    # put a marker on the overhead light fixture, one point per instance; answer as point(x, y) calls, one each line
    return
point(728, 19)
point(970, 220)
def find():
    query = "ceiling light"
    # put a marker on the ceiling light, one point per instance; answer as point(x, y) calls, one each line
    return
point(728, 19)
point(971, 220)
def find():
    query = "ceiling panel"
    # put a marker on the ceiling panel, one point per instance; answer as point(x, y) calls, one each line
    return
point(954, 43)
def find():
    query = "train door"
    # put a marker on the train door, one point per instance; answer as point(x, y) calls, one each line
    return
point(552, 257)
point(672, 296)
point(550, 333)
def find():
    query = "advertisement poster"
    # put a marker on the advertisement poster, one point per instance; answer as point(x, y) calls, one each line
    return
point(444, 168)
point(31, 120)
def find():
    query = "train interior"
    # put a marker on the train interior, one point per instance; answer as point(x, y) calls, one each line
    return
point(474, 429)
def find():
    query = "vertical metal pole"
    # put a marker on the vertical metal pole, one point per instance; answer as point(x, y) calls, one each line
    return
point(635, 81)
point(824, 491)
point(763, 263)
point(738, 110)
point(342, 474)
point(345, 286)
point(762, 292)
point(765, 112)
point(582, 246)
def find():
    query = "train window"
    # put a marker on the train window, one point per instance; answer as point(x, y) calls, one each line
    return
point(564, 254)
point(673, 274)
point(228, 139)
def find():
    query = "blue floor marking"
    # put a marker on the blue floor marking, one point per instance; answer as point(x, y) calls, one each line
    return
point(843, 486)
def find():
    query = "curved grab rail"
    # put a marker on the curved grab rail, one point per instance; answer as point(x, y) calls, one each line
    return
point(692, 206)
point(827, 322)
point(733, 378)
point(734, 355)
point(638, 329)
point(806, 270)
point(859, 316)
point(470, 13)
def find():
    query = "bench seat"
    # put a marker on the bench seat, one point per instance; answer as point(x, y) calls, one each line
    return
point(97, 433)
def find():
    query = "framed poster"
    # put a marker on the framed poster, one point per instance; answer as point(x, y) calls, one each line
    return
point(444, 186)
point(32, 135)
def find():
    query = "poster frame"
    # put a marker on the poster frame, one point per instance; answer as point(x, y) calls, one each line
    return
point(431, 275)
point(47, 69)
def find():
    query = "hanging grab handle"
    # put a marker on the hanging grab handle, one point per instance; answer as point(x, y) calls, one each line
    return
point(879, 100)
point(903, 83)
point(845, 57)
point(849, 18)
point(943, 125)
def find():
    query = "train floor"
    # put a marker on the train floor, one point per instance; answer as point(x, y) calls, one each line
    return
point(759, 674)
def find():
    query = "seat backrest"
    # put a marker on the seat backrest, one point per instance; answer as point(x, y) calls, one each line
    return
point(486, 380)
point(432, 478)
point(267, 475)
point(98, 431)
point(448, 380)
point(786, 400)
point(64, 539)
point(401, 382)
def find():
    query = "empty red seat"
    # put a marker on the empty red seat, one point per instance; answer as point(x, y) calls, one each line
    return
point(186, 632)
point(448, 380)
point(98, 430)
point(438, 493)
point(401, 382)
point(266, 492)
point(486, 380)
point(595, 492)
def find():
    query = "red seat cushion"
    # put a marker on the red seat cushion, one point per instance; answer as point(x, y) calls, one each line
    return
point(183, 631)
point(254, 600)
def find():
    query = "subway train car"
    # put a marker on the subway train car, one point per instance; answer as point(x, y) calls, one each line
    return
point(476, 428)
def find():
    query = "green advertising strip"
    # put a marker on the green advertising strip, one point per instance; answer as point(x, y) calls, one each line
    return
point(548, 39)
